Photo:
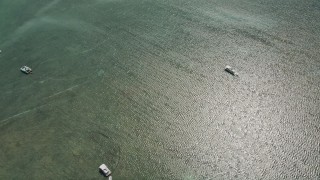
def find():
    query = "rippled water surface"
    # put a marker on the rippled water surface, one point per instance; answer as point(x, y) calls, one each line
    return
point(140, 85)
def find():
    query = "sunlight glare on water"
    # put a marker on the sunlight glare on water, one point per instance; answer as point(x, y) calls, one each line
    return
point(140, 86)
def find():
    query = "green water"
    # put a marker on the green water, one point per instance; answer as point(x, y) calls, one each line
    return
point(140, 86)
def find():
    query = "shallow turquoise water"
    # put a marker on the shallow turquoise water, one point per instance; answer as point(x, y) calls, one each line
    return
point(140, 86)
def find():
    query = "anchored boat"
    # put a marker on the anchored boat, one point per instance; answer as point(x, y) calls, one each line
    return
point(104, 170)
point(26, 70)
point(231, 71)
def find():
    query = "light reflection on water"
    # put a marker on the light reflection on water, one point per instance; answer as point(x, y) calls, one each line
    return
point(140, 86)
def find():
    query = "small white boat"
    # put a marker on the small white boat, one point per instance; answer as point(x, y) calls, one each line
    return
point(231, 71)
point(26, 70)
point(104, 170)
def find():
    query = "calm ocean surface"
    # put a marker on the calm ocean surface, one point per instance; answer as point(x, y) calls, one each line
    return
point(140, 86)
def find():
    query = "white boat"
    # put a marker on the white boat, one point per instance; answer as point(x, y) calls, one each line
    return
point(231, 71)
point(26, 70)
point(104, 170)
